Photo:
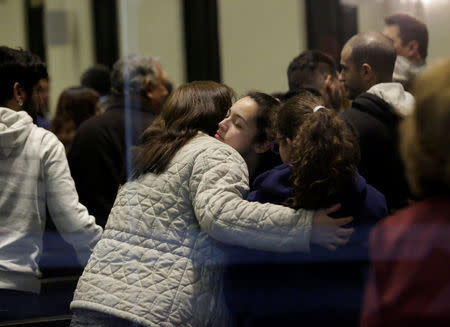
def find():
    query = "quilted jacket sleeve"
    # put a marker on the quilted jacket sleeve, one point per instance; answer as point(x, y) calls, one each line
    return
point(71, 218)
point(218, 184)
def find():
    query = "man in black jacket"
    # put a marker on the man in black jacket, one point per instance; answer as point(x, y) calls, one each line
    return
point(100, 156)
point(367, 62)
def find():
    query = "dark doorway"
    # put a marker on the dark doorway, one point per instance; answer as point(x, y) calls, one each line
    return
point(35, 27)
point(201, 40)
point(105, 31)
point(329, 25)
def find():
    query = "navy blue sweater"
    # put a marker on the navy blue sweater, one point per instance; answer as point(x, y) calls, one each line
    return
point(265, 284)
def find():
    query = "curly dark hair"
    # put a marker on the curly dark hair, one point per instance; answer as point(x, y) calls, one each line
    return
point(323, 158)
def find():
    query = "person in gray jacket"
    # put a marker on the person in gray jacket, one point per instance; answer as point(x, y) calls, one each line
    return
point(34, 175)
point(160, 262)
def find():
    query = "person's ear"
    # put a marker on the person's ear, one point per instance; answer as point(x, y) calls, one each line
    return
point(19, 94)
point(288, 142)
point(327, 84)
point(328, 81)
point(366, 70)
point(262, 147)
point(148, 90)
point(366, 73)
point(412, 48)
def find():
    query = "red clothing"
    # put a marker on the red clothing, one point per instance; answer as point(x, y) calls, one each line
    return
point(409, 282)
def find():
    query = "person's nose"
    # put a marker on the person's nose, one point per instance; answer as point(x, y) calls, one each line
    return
point(223, 125)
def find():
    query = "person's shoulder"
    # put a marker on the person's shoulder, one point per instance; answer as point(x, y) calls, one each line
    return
point(44, 135)
point(96, 122)
point(208, 149)
point(47, 142)
point(422, 222)
point(96, 129)
point(277, 175)
point(415, 214)
point(354, 111)
point(401, 217)
point(210, 145)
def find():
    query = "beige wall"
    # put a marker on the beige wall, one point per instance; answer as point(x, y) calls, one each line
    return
point(433, 12)
point(437, 20)
point(154, 27)
point(257, 42)
point(12, 23)
point(67, 61)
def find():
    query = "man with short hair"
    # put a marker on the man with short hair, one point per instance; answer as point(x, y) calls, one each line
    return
point(34, 177)
point(367, 62)
point(315, 70)
point(98, 78)
point(99, 157)
point(410, 38)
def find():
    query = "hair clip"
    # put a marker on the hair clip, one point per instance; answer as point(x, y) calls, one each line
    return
point(318, 108)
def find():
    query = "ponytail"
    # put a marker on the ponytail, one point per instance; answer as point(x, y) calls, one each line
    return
point(323, 159)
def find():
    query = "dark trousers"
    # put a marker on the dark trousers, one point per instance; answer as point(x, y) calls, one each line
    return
point(15, 305)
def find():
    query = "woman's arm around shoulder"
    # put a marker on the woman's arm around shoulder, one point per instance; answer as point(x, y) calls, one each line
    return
point(218, 184)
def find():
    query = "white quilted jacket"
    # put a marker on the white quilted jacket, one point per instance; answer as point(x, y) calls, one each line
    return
point(158, 262)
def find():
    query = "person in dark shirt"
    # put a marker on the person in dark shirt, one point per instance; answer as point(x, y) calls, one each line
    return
point(99, 157)
point(378, 105)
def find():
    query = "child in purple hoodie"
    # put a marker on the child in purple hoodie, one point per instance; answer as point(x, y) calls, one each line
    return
point(319, 157)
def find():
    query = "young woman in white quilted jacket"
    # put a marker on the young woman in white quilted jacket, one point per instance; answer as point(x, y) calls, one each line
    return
point(159, 262)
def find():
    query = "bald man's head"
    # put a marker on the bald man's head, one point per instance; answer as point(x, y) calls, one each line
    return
point(375, 49)
point(366, 59)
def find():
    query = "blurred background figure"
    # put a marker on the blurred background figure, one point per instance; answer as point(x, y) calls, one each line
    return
point(75, 105)
point(100, 152)
point(167, 83)
point(98, 77)
point(43, 109)
point(316, 70)
point(410, 38)
point(410, 251)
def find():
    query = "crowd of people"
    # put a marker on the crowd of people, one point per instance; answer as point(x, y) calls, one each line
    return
point(326, 204)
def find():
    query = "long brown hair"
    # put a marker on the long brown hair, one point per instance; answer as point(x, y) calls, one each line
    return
point(193, 107)
point(75, 104)
point(324, 152)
